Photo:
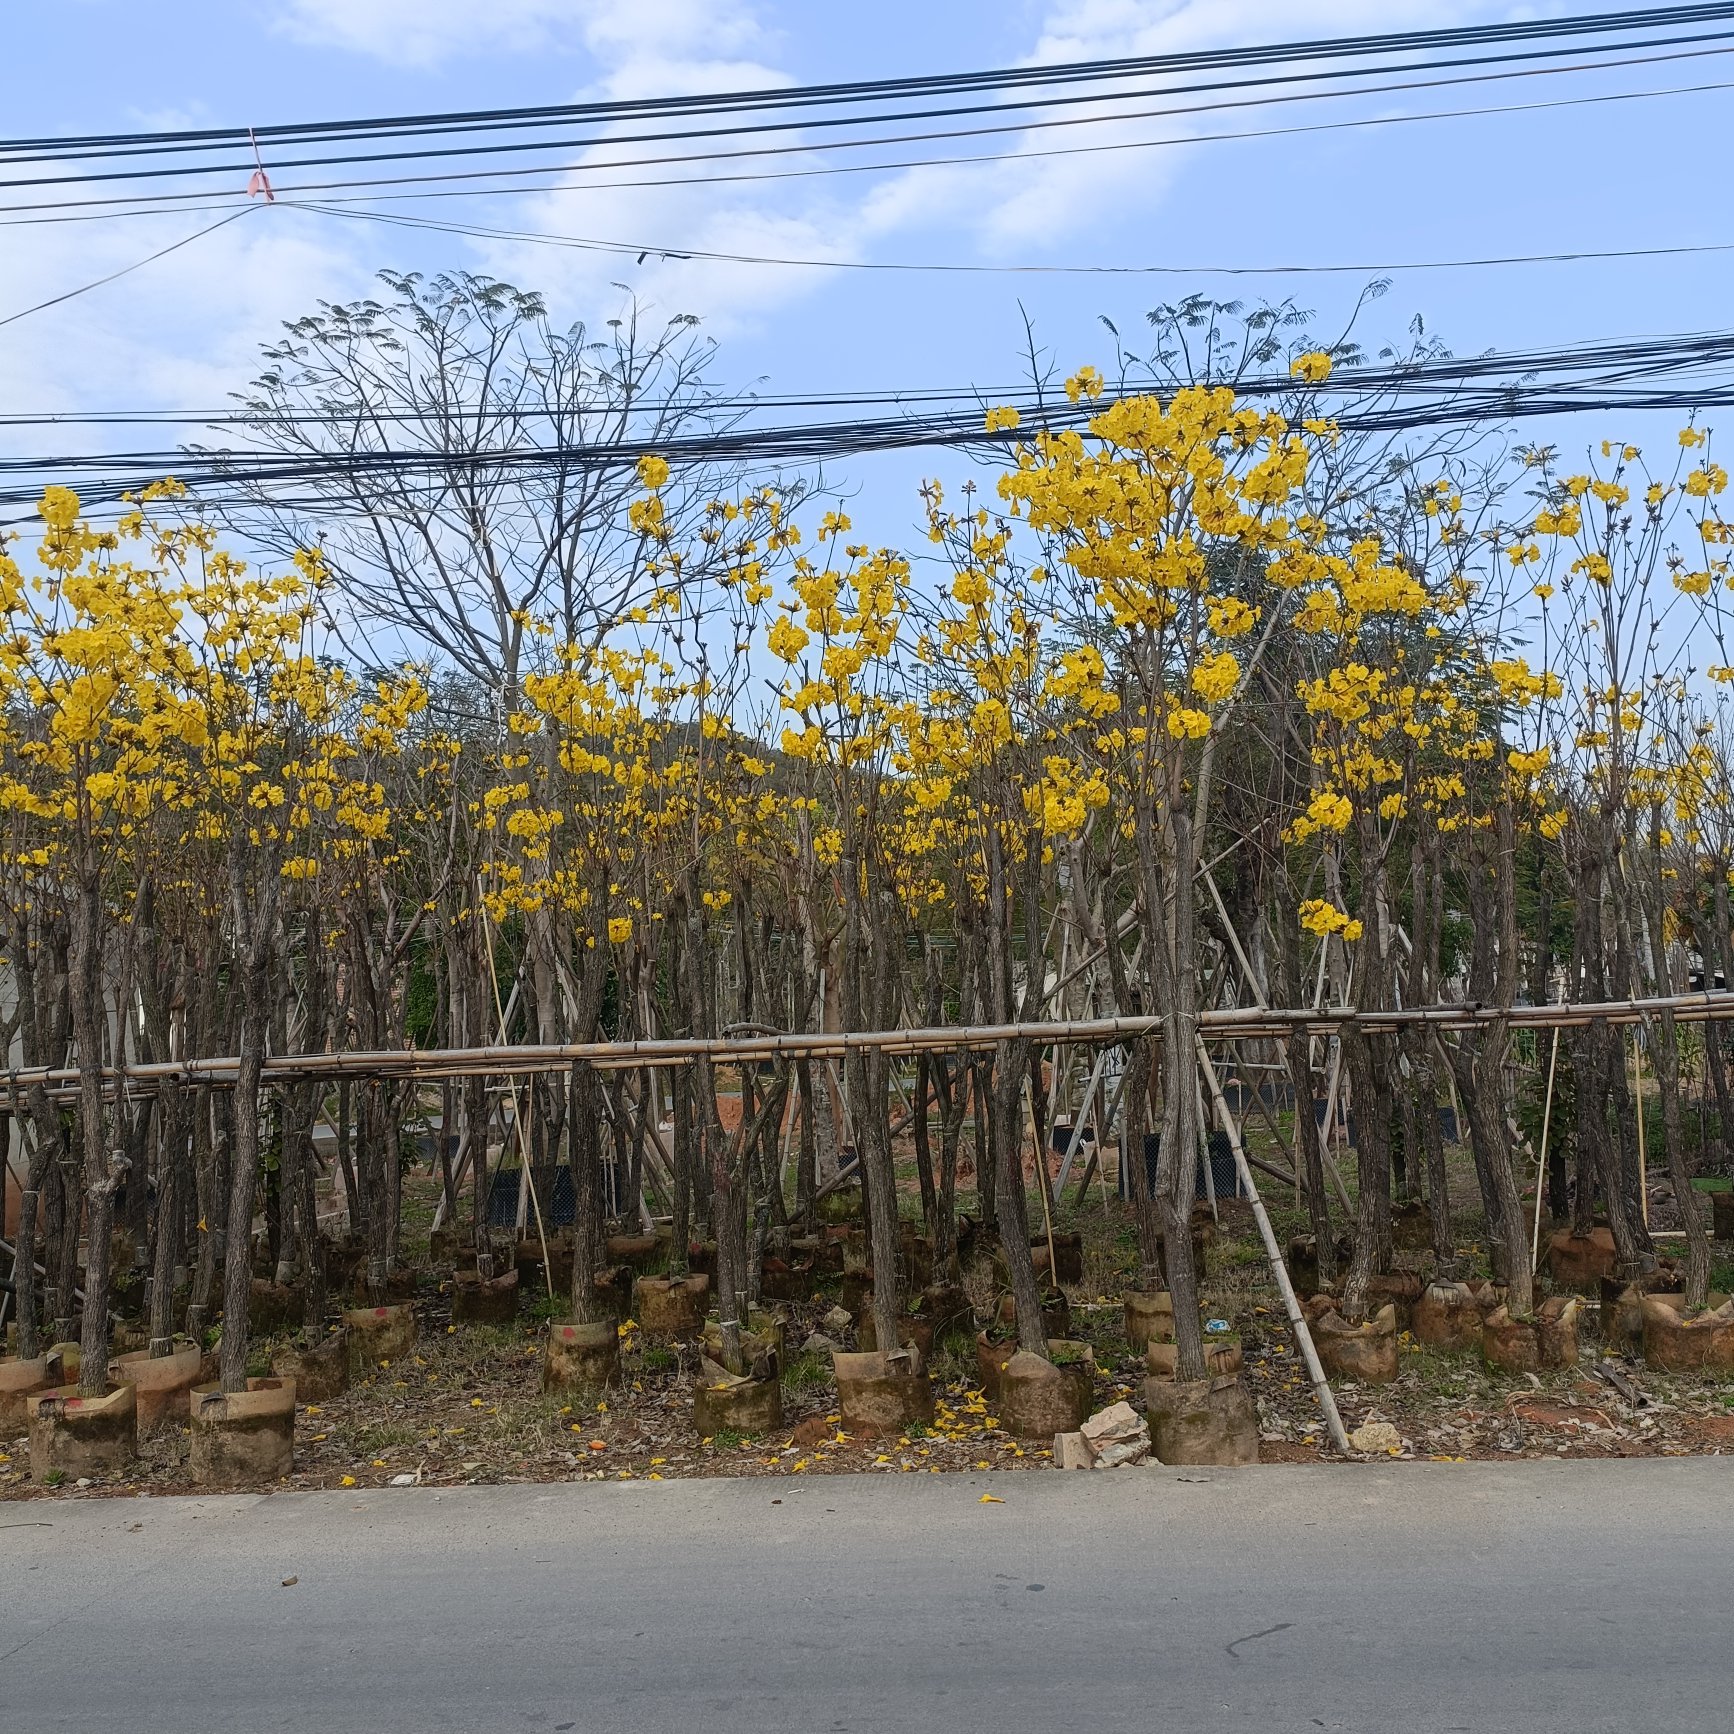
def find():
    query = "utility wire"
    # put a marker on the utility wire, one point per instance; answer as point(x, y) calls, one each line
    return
point(1630, 375)
point(127, 270)
point(1010, 124)
point(642, 250)
point(1605, 361)
point(1618, 22)
point(446, 188)
point(1582, 30)
point(885, 90)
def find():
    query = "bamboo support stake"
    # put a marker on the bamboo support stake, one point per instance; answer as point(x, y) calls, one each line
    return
point(1203, 1153)
point(1042, 1175)
point(1297, 1319)
point(518, 1120)
point(1233, 939)
point(521, 1059)
point(1638, 1106)
point(1323, 1131)
point(1078, 1123)
point(1541, 1165)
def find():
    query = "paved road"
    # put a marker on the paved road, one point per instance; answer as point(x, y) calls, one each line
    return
point(1414, 1599)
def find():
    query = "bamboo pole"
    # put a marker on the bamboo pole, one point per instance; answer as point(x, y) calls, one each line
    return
point(1541, 1165)
point(522, 1059)
point(1082, 1115)
point(1322, 1130)
point(1203, 1152)
point(1638, 1106)
point(518, 1119)
point(1233, 938)
point(1297, 1319)
point(1042, 1176)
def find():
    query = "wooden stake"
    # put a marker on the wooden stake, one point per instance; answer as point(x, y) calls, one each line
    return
point(1541, 1165)
point(521, 1059)
point(517, 1118)
point(1042, 1175)
point(1638, 1094)
point(1297, 1319)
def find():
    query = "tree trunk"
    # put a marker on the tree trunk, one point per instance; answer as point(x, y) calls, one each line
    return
point(584, 1118)
point(807, 1151)
point(171, 1169)
point(101, 1174)
point(37, 1170)
point(1011, 1064)
point(238, 1234)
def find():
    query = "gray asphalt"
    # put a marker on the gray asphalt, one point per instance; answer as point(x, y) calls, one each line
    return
point(1408, 1600)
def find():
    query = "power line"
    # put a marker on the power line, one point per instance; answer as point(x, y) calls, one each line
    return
point(171, 201)
point(1591, 27)
point(807, 124)
point(1607, 360)
point(127, 270)
point(913, 87)
point(1441, 391)
point(650, 249)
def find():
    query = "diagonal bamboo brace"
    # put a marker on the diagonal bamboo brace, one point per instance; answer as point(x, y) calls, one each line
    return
point(1315, 1372)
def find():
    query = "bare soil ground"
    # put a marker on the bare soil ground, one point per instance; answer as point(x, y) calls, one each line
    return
point(467, 1404)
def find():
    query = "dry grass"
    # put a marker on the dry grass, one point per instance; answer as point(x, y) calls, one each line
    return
point(467, 1405)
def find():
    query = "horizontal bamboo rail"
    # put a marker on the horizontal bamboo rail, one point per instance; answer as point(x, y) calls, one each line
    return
point(520, 1060)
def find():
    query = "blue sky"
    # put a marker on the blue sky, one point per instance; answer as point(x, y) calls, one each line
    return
point(185, 331)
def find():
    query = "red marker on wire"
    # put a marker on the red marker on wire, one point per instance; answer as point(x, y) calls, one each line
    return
point(260, 181)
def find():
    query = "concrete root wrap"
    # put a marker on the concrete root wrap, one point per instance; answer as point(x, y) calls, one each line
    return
point(990, 1362)
point(1447, 1316)
point(1149, 1316)
point(1676, 1344)
point(1364, 1352)
point(1581, 1260)
point(379, 1334)
point(762, 1335)
point(1068, 1256)
point(1056, 1313)
point(724, 1403)
point(160, 1387)
point(72, 1437)
point(947, 1312)
point(1722, 1214)
point(640, 1251)
point(556, 1274)
point(581, 1357)
point(912, 1333)
point(1201, 1421)
point(242, 1436)
point(320, 1370)
point(1537, 1345)
point(1038, 1399)
point(787, 1282)
point(19, 1382)
point(880, 1394)
point(1622, 1318)
point(671, 1308)
point(484, 1300)
point(1221, 1360)
point(274, 1307)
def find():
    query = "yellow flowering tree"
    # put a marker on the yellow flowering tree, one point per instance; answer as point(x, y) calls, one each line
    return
point(1172, 531)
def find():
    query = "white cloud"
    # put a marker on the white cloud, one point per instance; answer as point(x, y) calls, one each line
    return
point(1087, 29)
point(186, 329)
point(634, 38)
point(183, 331)
point(1021, 207)
point(1034, 200)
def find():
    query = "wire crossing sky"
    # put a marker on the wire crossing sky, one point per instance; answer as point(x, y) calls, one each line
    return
point(855, 207)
